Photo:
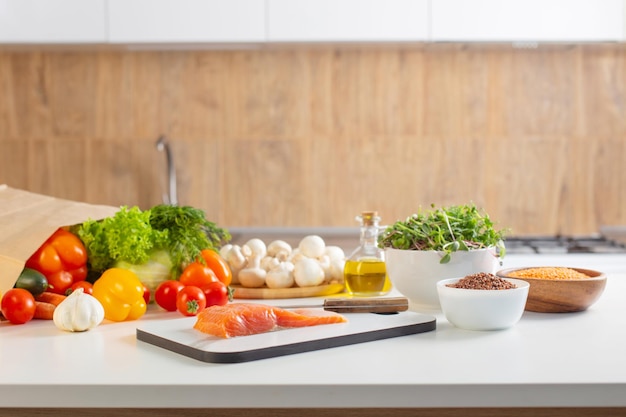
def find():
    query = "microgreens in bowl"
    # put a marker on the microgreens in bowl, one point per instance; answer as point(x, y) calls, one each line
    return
point(445, 229)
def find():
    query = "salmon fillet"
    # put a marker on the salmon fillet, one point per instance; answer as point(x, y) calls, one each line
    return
point(242, 319)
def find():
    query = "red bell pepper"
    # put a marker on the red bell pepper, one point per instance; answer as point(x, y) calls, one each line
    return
point(62, 259)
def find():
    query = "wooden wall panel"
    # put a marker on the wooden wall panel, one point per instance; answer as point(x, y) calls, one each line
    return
point(312, 136)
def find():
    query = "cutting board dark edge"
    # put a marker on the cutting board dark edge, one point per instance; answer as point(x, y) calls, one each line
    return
point(288, 349)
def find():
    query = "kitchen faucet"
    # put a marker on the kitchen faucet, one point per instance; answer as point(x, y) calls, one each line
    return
point(171, 197)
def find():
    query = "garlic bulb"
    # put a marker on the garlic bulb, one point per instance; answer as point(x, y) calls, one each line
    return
point(78, 312)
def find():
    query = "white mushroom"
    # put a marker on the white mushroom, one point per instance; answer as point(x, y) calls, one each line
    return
point(279, 249)
point(296, 255)
point(235, 257)
point(312, 246)
point(225, 249)
point(308, 273)
point(280, 276)
point(336, 271)
point(269, 262)
point(334, 252)
point(252, 276)
point(236, 260)
point(324, 262)
point(257, 247)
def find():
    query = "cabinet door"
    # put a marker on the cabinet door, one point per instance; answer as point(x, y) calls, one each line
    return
point(186, 21)
point(347, 20)
point(47, 21)
point(527, 20)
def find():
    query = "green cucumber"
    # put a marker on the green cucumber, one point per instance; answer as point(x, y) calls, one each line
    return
point(32, 281)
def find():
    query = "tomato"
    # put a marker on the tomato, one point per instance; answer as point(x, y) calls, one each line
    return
point(197, 275)
point(60, 282)
point(218, 265)
point(216, 293)
point(146, 294)
point(79, 274)
point(165, 294)
point(86, 286)
point(18, 306)
point(190, 301)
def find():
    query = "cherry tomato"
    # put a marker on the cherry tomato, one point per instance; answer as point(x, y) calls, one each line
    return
point(190, 301)
point(86, 286)
point(60, 282)
point(218, 265)
point(197, 275)
point(79, 274)
point(18, 306)
point(146, 294)
point(216, 293)
point(165, 294)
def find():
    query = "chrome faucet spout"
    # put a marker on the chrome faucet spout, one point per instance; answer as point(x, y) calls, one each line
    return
point(171, 197)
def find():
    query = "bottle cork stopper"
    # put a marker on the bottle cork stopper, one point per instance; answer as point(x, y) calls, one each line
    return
point(369, 217)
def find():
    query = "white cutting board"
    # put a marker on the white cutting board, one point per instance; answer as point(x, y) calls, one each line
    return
point(179, 336)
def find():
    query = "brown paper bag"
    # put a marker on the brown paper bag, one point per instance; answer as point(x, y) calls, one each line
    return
point(28, 219)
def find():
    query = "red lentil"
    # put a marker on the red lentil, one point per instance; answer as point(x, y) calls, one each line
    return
point(483, 281)
point(548, 273)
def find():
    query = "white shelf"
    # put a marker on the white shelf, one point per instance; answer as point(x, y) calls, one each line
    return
point(527, 20)
point(348, 20)
point(186, 21)
point(52, 22)
point(163, 23)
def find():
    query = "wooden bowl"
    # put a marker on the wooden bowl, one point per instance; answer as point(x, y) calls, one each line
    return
point(561, 295)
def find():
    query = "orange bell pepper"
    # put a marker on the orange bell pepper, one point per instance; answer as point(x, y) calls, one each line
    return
point(62, 259)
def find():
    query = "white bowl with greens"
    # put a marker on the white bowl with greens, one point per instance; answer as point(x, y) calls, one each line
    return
point(438, 244)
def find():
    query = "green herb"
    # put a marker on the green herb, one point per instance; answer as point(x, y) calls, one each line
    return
point(134, 237)
point(447, 229)
point(189, 232)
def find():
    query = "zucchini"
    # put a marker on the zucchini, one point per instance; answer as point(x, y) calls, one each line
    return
point(32, 281)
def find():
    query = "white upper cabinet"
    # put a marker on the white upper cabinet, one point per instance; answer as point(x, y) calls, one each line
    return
point(186, 21)
point(52, 21)
point(347, 20)
point(160, 23)
point(527, 20)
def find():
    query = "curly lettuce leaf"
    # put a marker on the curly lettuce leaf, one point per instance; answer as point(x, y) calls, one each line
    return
point(126, 236)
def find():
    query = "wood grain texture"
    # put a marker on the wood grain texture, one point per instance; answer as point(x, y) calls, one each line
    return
point(311, 136)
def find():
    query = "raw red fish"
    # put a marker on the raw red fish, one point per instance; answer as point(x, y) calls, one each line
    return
point(242, 319)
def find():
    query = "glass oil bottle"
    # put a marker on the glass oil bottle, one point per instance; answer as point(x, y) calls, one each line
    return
point(365, 272)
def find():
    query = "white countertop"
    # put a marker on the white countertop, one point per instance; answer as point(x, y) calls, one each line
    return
point(547, 360)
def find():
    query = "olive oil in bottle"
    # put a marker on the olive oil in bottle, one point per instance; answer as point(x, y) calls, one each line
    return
point(365, 273)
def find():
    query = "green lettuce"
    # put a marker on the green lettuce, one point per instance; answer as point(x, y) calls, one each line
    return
point(135, 237)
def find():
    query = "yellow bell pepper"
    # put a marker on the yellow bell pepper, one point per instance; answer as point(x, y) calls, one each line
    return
point(121, 294)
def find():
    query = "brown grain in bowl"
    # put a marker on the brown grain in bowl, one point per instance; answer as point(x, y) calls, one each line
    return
point(559, 273)
point(483, 281)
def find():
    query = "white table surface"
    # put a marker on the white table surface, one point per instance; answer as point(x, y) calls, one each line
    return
point(546, 360)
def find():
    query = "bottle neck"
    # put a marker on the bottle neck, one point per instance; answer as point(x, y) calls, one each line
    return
point(369, 235)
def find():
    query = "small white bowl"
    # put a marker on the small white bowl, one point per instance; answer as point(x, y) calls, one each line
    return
point(482, 309)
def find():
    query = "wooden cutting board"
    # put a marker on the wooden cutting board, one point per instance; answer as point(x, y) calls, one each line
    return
point(180, 337)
